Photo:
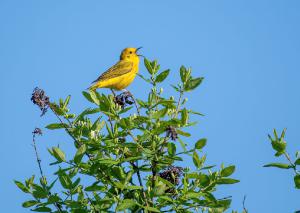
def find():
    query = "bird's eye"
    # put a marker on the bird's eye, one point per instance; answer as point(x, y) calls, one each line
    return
point(130, 52)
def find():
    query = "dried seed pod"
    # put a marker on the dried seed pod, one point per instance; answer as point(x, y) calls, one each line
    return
point(39, 98)
point(171, 132)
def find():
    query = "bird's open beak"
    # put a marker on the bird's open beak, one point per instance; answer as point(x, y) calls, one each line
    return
point(137, 49)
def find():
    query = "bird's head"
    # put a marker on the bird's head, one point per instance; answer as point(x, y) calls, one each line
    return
point(130, 53)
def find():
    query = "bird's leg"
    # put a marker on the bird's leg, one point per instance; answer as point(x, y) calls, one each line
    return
point(113, 92)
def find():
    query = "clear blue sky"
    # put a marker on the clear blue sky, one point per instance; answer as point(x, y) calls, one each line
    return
point(248, 53)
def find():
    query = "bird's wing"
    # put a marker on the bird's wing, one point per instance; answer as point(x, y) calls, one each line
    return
point(119, 69)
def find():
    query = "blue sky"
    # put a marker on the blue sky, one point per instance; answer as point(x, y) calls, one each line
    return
point(248, 52)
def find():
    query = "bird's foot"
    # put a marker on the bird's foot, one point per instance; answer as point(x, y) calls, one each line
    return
point(113, 92)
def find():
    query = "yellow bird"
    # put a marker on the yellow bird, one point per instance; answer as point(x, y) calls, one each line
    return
point(122, 74)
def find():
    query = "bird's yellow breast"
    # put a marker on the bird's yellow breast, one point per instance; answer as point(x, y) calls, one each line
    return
point(125, 80)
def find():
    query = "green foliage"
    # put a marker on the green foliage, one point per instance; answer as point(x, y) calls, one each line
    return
point(130, 160)
point(279, 146)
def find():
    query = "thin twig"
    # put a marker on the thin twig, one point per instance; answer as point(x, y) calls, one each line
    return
point(288, 158)
point(291, 163)
point(178, 104)
point(38, 159)
point(135, 103)
point(37, 155)
point(244, 208)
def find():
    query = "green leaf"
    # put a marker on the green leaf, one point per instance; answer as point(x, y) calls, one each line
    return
point(125, 110)
point(95, 187)
point(58, 154)
point(52, 184)
point(183, 145)
point(160, 113)
point(277, 154)
point(183, 74)
point(53, 199)
point(227, 181)
point(227, 171)
point(131, 159)
point(132, 187)
point(142, 77)
point(42, 209)
point(39, 192)
point(196, 113)
point(297, 181)
point(98, 125)
point(29, 203)
point(87, 111)
point(166, 182)
point(193, 195)
point(79, 154)
point(76, 182)
point(57, 126)
point(94, 97)
point(126, 204)
point(192, 175)
point(224, 203)
point(297, 162)
point(166, 198)
point(176, 88)
point(193, 84)
point(151, 209)
point(171, 149)
point(118, 173)
point(65, 180)
point(208, 167)
point(162, 76)
point(279, 146)
point(282, 134)
point(148, 66)
point(196, 160)
point(204, 180)
point(184, 116)
point(67, 101)
point(59, 111)
point(108, 161)
point(200, 143)
point(87, 96)
point(22, 186)
point(29, 181)
point(185, 134)
point(155, 66)
point(119, 185)
point(279, 165)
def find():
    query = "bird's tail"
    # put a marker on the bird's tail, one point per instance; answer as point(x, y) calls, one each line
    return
point(93, 87)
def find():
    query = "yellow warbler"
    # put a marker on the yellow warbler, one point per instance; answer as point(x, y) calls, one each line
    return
point(122, 73)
